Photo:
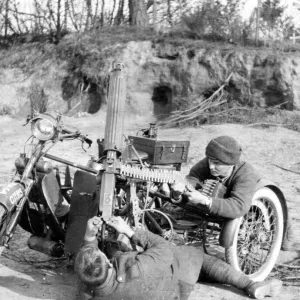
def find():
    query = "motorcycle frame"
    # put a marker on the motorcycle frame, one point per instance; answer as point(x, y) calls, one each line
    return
point(26, 183)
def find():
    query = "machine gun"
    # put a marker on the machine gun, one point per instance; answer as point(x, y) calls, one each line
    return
point(144, 159)
point(130, 179)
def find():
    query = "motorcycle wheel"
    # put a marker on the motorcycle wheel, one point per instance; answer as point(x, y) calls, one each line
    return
point(258, 237)
point(4, 221)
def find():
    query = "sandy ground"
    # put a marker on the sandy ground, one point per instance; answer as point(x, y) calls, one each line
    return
point(26, 274)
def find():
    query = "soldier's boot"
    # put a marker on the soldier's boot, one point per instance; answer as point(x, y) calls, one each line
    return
point(217, 270)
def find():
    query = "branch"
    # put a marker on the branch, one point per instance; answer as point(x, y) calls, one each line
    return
point(288, 170)
point(26, 14)
point(214, 100)
point(71, 6)
point(275, 106)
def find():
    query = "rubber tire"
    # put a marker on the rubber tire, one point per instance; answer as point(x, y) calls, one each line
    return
point(231, 253)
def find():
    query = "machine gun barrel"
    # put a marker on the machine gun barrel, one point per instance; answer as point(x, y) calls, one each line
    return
point(114, 127)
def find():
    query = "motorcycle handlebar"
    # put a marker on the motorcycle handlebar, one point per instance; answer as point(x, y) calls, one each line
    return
point(70, 130)
point(76, 133)
point(87, 140)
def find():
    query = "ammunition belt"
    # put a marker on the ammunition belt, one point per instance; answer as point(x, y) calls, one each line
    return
point(154, 175)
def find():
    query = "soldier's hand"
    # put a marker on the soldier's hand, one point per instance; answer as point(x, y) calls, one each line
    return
point(120, 226)
point(92, 228)
point(196, 197)
point(178, 189)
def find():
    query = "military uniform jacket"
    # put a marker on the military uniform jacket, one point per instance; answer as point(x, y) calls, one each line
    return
point(240, 185)
point(162, 272)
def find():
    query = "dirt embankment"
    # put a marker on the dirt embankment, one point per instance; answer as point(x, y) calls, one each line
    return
point(161, 76)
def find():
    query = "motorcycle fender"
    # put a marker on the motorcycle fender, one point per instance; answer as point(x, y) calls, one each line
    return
point(11, 194)
point(227, 232)
point(279, 193)
point(229, 226)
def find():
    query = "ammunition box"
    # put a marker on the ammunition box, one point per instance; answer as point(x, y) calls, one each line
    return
point(162, 152)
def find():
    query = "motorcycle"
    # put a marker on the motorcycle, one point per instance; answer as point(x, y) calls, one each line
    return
point(34, 197)
point(252, 243)
point(131, 181)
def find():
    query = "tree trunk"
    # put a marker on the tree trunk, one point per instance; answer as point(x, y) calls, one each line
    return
point(137, 13)
point(66, 15)
point(111, 19)
point(6, 19)
point(16, 14)
point(102, 13)
point(88, 14)
point(120, 14)
point(95, 14)
point(58, 23)
point(170, 13)
point(71, 12)
point(155, 15)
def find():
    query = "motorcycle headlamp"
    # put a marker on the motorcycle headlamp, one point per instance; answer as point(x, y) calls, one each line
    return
point(43, 129)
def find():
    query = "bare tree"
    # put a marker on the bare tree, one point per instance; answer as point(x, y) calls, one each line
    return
point(89, 14)
point(16, 16)
point(96, 13)
point(155, 15)
point(71, 11)
point(271, 13)
point(58, 22)
point(138, 13)
point(102, 12)
point(66, 15)
point(169, 13)
point(111, 17)
point(120, 13)
point(6, 21)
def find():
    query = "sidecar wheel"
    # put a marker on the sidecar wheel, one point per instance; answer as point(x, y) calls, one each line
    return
point(258, 236)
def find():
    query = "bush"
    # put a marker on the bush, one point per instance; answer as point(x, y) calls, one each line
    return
point(205, 23)
point(5, 110)
point(218, 22)
point(38, 98)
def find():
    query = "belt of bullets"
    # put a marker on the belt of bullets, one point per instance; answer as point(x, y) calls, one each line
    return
point(154, 175)
point(208, 187)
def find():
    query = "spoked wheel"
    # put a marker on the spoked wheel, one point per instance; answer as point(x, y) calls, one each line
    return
point(258, 236)
point(151, 219)
point(4, 221)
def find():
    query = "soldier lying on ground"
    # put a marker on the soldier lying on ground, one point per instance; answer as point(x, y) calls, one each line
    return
point(161, 271)
point(222, 163)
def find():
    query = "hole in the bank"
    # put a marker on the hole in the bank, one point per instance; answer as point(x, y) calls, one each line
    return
point(190, 54)
point(277, 98)
point(83, 91)
point(162, 99)
point(94, 98)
